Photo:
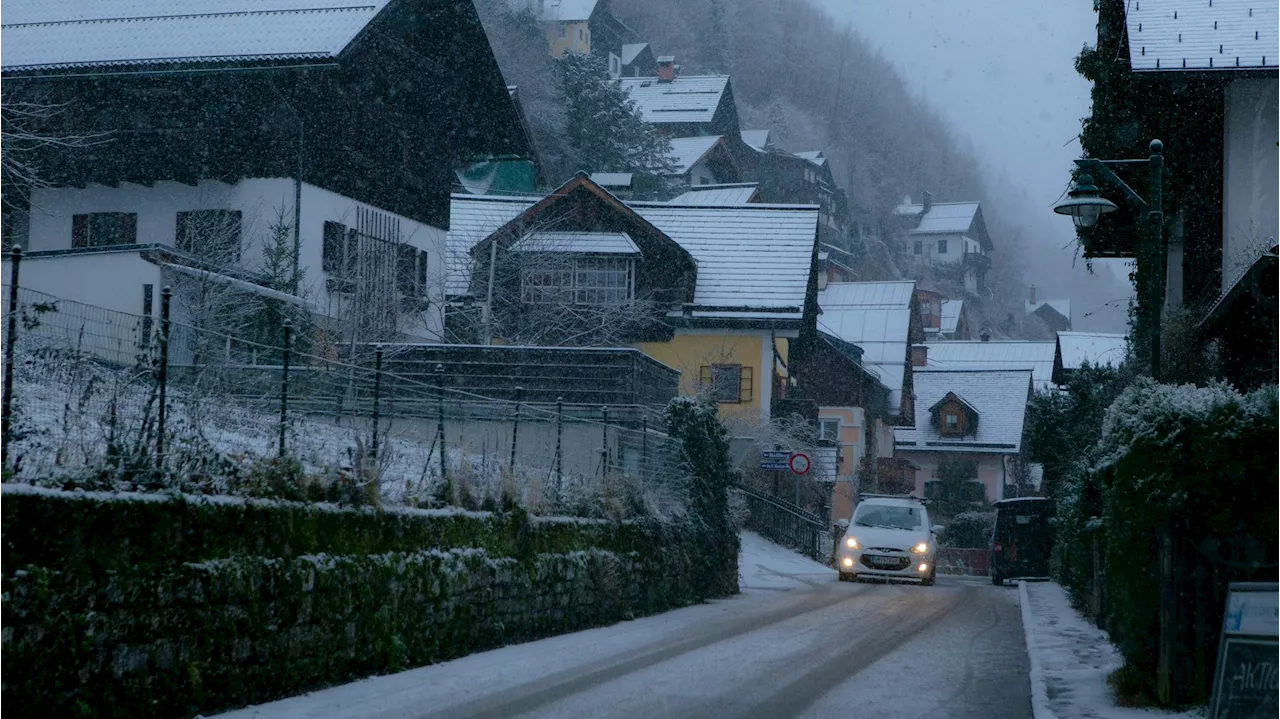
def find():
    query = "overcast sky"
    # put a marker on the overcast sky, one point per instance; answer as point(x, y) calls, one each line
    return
point(1001, 73)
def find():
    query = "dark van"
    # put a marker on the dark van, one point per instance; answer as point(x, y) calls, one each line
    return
point(1022, 540)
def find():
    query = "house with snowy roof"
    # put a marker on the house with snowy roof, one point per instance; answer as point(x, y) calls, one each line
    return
point(1055, 314)
point(717, 292)
point(976, 415)
point(685, 105)
point(226, 124)
point(947, 235)
point(1226, 269)
point(702, 160)
point(802, 177)
point(1074, 350)
point(638, 60)
point(943, 319)
point(1036, 357)
point(585, 27)
point(720, 195)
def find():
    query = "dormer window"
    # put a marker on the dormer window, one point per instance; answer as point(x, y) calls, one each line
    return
point(954, 418)
point(951, 422)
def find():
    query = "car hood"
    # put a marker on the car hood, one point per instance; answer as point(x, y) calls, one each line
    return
point(896, 538)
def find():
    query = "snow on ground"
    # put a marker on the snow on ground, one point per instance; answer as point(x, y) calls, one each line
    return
point(763, 565)
point(1075, 658)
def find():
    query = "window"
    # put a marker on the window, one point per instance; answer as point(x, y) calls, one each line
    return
point(580, 280)
point(580, 38)
point(212, 235)
point(952, 423)
point(729, 383)
point(101, 229)
point(615, 66)
point(952, 420)
point(942, 247)
point(829, 429)
point(331, 254)
point(919, 247)
point(411, 272)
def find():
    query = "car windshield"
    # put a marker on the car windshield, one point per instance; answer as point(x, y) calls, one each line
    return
point(888, 517)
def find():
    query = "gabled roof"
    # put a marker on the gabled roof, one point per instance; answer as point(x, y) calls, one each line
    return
point(1062, 307)
point(875, 316)
point(1096, 348)
point(726, 195)
point(688, 151)
point(1198, 35)
point(998, 396)
point(950, 316)
point(1036, 357)
point(568, 10)
point(600, 243)
point(631, 50)
point(757, 140)
point(685, 99)
point(749, 256)
point(128, 33)
point(612, 179)
point(814, 156)
point(943, 218)
point(956, 398)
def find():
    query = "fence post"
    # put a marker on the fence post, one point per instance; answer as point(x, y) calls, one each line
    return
point(559, 441)
point(284, 384)
point(440, 418)
point(515, 431)
point(644, 446)
point(15, 260)
point(604, 441)
point(377, 394)
point(165, 296)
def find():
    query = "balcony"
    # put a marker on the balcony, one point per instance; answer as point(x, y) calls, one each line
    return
point(977, 261)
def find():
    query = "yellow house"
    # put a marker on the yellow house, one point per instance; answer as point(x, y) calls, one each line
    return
point(724, 286)
point(565, 37)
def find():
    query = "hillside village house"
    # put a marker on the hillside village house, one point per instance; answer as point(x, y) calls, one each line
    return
point(685, 105)
point(724, 195)
point(1055, 314)
point(1098, 349)
point(943, 235)
point(943, 319)
point(638, 60)
point(724, 285)
point(977, 415)
point(992, 355)
point(583, 26)
point(702, 160)
point(220, 124)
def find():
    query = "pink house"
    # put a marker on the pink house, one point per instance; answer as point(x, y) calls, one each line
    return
point(971, 414)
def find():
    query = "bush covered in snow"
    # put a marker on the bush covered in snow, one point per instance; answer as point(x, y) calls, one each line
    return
point(969, 530)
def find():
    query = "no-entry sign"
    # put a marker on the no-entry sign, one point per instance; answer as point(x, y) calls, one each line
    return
point(799, 463)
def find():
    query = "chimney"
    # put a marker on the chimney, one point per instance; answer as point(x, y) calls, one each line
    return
point(906, 199)
point(1033, 295)
point(928, 201)
point(919, 356)
point(985, 335)
point(667, 68)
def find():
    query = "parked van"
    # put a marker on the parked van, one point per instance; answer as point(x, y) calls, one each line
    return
point(1022, 540)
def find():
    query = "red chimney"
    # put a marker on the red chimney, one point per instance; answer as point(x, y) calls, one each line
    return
point(667, 68)
point(928, 201)
point(919, 356)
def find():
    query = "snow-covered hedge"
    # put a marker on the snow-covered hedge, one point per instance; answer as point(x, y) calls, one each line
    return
point(1200, 463)
point(159, 605)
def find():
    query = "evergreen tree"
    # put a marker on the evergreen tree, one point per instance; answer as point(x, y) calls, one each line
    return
point(605, 129)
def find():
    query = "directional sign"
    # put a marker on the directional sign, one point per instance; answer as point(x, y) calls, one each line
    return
point(799, 463)
point(775, 460)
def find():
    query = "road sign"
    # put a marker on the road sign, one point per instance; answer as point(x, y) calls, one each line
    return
point(799, 463)
point(1245, 680)
point(774, 460)
point(774, 466)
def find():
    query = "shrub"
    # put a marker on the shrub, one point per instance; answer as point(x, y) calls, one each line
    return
point(969, 530)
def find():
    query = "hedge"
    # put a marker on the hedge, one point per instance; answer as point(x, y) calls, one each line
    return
point(1201, 463)
point(120, 624)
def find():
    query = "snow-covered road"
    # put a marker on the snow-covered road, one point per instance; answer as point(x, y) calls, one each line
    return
point(795, 643)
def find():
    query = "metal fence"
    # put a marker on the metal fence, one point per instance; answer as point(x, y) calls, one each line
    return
point(98, 398)
point(787, 524)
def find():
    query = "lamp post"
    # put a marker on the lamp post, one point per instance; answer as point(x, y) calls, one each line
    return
point(1085, 204)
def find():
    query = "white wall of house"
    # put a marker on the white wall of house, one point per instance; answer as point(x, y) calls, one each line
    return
point(991, 470)
point(112, 280)
point(701, 174)
point(1249, 215)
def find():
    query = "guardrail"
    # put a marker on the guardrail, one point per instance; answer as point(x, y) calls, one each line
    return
point(785, 523)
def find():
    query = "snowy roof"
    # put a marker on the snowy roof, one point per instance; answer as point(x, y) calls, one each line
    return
point(814, 156)
point(687, 151)
point(726, 195)
point(950, 316)
point(1062, 307)
point(685, 99)
point(998, 396)
point(747, 256)
point(1096, 348)
point(578, 242)
point(756, 139)
point(943, 218)
point(1176, 35)
point(875, 316)
point(611, 179)
point(568, 10)
point(112, 33)
point(995, 355)
point(631, 50)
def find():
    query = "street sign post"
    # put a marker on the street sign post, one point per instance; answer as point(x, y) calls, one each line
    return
point(1244, 684)
point(799, 463)
point(775, 461)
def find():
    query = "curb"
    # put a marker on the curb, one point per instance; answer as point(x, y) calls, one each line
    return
point(1039, 688)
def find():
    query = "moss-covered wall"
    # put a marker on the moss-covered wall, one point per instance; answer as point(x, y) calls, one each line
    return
point(168, 606)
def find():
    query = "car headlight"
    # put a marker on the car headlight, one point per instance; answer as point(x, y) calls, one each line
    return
point(921, 548)
point(851, 542)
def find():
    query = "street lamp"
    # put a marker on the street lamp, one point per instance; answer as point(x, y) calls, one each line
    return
point(1085, 204)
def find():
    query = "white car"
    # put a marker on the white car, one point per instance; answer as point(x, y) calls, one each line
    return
point(889, 538)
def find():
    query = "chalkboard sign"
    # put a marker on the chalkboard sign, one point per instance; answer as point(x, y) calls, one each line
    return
point(1245, 683)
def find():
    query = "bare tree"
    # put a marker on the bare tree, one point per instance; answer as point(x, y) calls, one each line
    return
point(23, 134)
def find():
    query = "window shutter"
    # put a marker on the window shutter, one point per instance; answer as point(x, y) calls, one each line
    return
point(704, 376)
point(422, 273)
point(128, 228)
point(331, 251)
point(746, 384)
point(79, 230)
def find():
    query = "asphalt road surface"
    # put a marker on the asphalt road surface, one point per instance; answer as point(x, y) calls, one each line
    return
point(797, 643)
